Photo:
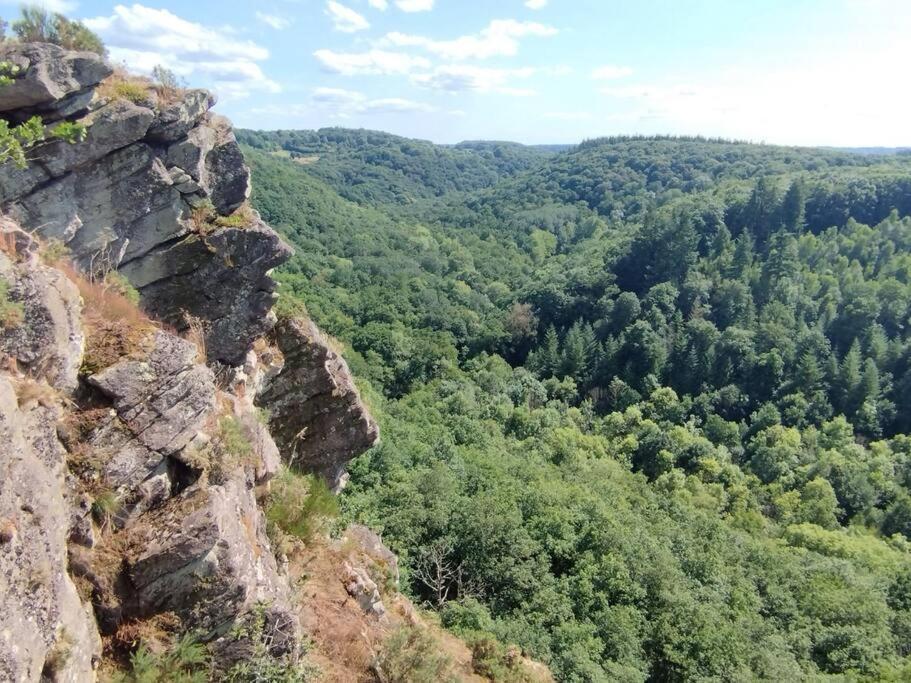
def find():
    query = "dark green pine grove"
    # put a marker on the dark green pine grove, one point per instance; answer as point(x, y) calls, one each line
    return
point(648, 399)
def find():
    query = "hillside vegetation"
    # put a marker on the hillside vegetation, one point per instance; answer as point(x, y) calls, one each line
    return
point(643, 400)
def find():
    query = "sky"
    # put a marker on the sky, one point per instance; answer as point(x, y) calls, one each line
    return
point(797, 72)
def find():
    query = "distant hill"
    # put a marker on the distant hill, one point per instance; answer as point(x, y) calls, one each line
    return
point(875, 150)
point(374, 167)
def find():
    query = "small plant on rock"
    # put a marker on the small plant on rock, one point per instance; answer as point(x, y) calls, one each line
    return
point(185, 661)
point(11, 312)
point(262, 664)
point(412, 655)
point(299, 505)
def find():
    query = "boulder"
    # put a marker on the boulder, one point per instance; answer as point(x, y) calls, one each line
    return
point(317, 417)
point(164, 398)
point(222, 278)
point(227, 176)
point(175, 120)
point(205, 555)
point(52, 81)
point(363, 589)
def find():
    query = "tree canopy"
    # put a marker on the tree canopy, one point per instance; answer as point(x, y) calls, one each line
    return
point(645, 396)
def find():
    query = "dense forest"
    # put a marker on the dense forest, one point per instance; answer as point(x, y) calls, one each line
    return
point(645, 399)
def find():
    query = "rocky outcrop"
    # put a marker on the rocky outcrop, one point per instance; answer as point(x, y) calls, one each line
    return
point(45, 629)
point(124, 197)
point(49, 341)
point(106, 475)
point(52, 82)
point(206, 557)
point(317, 416)
point(46, 632)
point(132, 458)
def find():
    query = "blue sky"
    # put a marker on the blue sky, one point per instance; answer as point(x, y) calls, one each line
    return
point(809, 72)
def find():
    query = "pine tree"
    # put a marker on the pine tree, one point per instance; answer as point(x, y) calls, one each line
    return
point(793, 207)
point(550, 353)
point(849, 379)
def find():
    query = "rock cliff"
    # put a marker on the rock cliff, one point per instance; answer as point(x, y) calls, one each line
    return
point(133, 451)
point(134, 194)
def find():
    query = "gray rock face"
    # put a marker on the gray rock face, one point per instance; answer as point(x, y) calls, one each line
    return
point(176, 120)
point(205, 555)
point(159, 404)
point(235, 297)
point(52, 81)
point(124, 197)
point(163, 399)
point(46, 632)
point(316, 414)
point(49, 340)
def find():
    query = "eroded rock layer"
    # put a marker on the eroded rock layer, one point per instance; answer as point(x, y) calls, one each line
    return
point(136, 193)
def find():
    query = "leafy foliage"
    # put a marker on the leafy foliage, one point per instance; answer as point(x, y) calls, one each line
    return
point(185, 661)
point(647, 393)
point(37, 25)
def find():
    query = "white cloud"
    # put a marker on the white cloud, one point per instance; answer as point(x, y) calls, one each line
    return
point(568, 115)
point(143, 37)
point(611, 71)
point(414, 5)
point(381, 5)
point(802, 103)
point(499, 39)
point(344, 18)
point(349, 103)
point(61, 6)
point(535, 4)
point(273, 20)
point(374, 62)
point(461, 78)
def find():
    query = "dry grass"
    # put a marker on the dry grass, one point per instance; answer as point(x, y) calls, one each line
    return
point(115, 327)
point(242, 217)
point(30, 391)
point(204, 219)
point(196, 332)
point(122, 85)
point(156, 632)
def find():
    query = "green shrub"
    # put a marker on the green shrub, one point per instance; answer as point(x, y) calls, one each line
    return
point(15, 141)
point(412, 655)
point(119, 284)
point(491, 659)
point(299, 504)
point(261, 665)
point(54, 251)
point(230, 448)
point(37, 25)
point(11, 312)
point(134, 91)
point(186, 661)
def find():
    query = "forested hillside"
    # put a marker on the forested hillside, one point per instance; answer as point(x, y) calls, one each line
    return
point(644, 400)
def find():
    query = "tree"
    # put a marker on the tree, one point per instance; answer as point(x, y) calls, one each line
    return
point(760, 215)
point(793, 207)
point(37, 25)
point(818, 504)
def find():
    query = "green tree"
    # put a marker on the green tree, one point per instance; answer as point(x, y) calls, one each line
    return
point(793, 207)
point(37, 25)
